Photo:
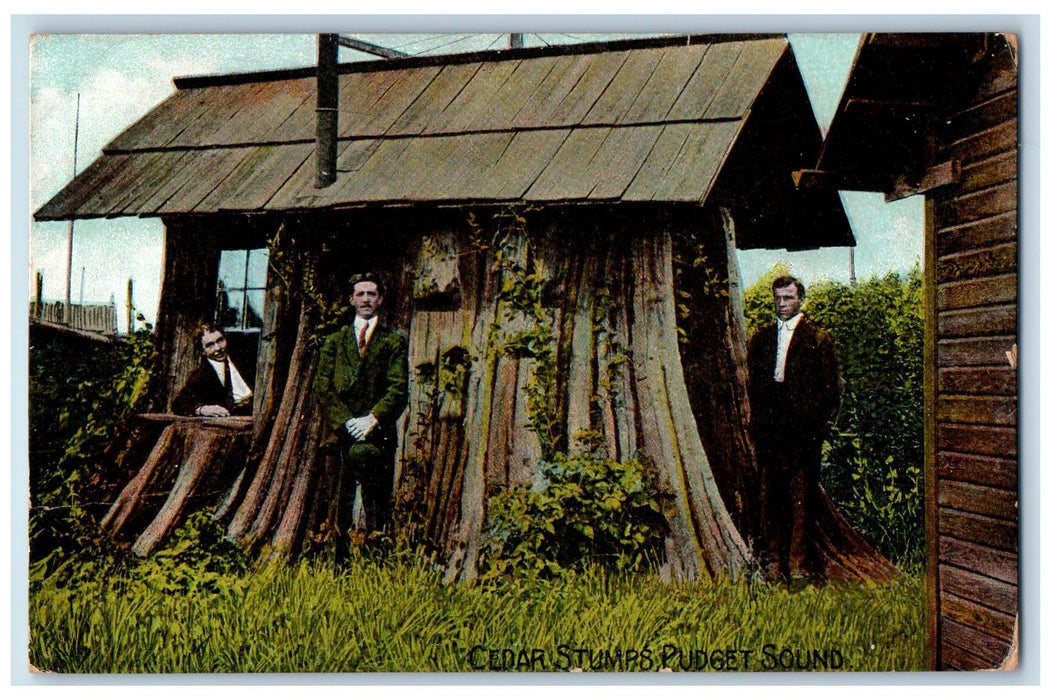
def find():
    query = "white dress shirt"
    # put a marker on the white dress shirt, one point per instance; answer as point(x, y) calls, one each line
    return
point(785, 329)
point(359, 322)
point(242, 392)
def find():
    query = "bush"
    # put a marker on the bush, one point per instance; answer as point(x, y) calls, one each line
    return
point(581, 509)
point(873, 461)
point(79, 398)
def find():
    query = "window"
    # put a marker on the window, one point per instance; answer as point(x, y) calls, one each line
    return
point(241, 289)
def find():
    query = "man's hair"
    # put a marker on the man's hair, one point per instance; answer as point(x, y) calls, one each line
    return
point(787, 281)
point(206, 327)
point(373, 277)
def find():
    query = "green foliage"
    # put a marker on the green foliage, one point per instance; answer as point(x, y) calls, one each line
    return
point(397, 616)
point(78, 403)
point(873, 462)
point(581, 509)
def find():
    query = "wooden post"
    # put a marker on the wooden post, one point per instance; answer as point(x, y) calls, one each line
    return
point(130, 306)
point(38, 310)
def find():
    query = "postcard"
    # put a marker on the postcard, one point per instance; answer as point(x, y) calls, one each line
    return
point(499, 353)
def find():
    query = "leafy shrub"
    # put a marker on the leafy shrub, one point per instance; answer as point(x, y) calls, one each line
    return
point(581, 508)
point(78, 400)
point(873, 462)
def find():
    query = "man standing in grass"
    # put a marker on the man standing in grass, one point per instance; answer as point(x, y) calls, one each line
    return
point(793, 388)
point(361, 384)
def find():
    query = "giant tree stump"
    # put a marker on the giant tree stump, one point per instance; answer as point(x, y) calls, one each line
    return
point(191, 464)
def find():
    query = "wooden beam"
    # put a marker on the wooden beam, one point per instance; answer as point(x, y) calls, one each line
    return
point(858, 107)
point(947, 173)
point(368, 47)
point(813, 179)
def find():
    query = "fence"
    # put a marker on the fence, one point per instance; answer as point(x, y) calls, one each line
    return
point(94, 318)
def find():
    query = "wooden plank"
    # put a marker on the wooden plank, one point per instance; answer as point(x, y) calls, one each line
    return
point(980, 500)
point(1001, 319)
point(519, 165)
point(516, 95)
point(978, 469)
point(991, 290)
point(598, 74)
point(162, 123)
point(359, 94)
point(979, 558)
point(968, 649)
point(1001, 138)
point(151, 169)
point(993, 532)
point(691, 175)
point(430, 103)
point(979, 440)
point(619, 159)
point(977, 205)
point(1001, 381)
point(474, 99)
point(982, 410)
point(983, 590)
point(997, 169)
point(71, 198)
point(977, 616)
point(978, 234)
point(209, 171)
point(624, 88)
point(264, 110)
point(254, 188)
point(693, 101)
point(569, 174)
point(379, 178)
point(472, 154)
point(981, 116)
point(222, 103)
point(746, 78)
point(550, 91)
point(974, 351)
point(396, 99)
point(674, 70)
point(102, 198)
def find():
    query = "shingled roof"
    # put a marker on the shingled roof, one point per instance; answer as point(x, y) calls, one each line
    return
point(633, 121)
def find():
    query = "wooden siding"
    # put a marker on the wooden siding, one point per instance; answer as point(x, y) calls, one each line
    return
point(974, 388)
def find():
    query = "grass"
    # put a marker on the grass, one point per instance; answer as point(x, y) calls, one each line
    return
point(397, 616)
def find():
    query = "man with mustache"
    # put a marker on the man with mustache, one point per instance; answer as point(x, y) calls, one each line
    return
point(361, 385)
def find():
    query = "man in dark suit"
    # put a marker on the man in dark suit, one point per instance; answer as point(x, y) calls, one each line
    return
point(793, 388)
point(216, 387)
point(361, 384)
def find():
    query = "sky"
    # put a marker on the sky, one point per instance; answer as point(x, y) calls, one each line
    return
point(120, 77)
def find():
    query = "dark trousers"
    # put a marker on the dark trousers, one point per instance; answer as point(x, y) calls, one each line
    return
point(370, 464)
point(791, 470)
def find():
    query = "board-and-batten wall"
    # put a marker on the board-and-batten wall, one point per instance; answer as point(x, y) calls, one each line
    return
point(972, 396)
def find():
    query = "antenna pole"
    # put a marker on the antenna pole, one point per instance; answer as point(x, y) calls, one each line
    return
point(68, 316)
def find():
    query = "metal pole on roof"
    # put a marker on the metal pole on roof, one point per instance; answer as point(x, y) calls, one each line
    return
point(853, 276)
point(516, 41)
point(327, 108)
point(68, 315)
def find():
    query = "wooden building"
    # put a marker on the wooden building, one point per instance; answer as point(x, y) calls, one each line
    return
point(605, 183)
point(937, 115)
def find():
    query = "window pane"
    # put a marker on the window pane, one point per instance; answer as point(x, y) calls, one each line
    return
point(230, 308)
point(232, 269)
point(254, 313)
point(257, 260)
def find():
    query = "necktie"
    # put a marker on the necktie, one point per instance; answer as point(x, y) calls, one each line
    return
point(228, 383)
point(361, 339)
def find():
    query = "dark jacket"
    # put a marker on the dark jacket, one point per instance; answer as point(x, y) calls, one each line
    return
point(203, 388)
point(806, 402)
point(349, 385)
